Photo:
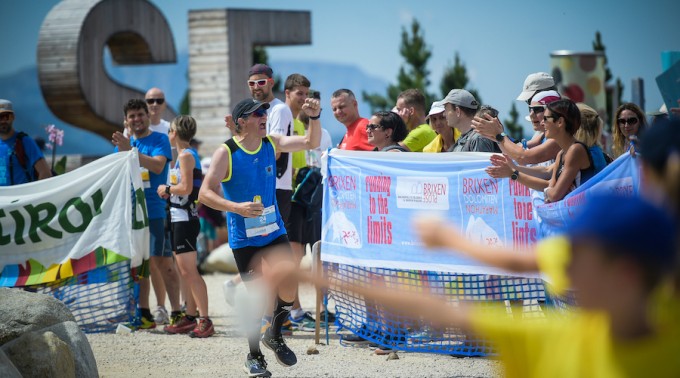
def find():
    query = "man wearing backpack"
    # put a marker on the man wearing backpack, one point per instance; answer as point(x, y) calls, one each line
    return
point(21, 160)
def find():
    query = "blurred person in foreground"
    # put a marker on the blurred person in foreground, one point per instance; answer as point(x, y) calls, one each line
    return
point(614, 268)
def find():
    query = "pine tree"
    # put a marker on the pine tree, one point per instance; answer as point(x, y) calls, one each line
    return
point(412, 74)
point(599, 46)
point(455, 77)
point(512, 126)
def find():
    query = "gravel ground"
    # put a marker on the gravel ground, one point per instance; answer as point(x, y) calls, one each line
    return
point(154, 354)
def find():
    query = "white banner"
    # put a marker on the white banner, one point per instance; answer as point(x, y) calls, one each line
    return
point(57, 224)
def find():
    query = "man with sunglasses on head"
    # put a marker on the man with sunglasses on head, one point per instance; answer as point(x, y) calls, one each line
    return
point(245, 169)
point(279, 122)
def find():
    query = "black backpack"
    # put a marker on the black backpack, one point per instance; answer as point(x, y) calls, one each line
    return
point(309, 192)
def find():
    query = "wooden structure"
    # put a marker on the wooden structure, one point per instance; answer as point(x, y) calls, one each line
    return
point(71, 70)
point(221, 45)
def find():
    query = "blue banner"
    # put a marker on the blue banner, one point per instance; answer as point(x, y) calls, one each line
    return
point(370, 199)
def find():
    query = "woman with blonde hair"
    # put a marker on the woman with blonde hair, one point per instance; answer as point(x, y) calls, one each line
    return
point(629, 121)
point(589, 135)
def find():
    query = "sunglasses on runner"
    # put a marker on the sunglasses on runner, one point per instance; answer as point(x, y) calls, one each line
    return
point(158, 101)
point(259, 112)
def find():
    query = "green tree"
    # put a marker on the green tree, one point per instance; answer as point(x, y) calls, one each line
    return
point(599, 46)
point(412, 74)
point(455, 76)
point(512, 125)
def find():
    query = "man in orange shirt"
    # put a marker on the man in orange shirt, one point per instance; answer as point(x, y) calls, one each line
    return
point(346, 111)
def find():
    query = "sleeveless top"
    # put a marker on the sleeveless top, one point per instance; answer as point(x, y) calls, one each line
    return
point(252, 174)
point(597, 163)
point(183, 208)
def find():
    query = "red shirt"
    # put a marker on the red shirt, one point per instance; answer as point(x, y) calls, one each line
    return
point(356, 137)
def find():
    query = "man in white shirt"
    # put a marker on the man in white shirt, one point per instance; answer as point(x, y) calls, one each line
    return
point(279, 121)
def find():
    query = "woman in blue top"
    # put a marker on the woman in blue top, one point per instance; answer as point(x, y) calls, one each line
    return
point(184, 182)
point(245, 168)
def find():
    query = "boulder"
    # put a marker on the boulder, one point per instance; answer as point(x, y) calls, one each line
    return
point(70, 333)
point(22, 311)
point(7, 368)
point(41, 354)
point(220, 260)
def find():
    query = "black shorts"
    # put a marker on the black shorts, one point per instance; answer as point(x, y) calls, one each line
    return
point(301, 229)
point(283, 198)
point(184, 235)
point(244, 256)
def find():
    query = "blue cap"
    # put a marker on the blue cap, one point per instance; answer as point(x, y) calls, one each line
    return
point(630, 225)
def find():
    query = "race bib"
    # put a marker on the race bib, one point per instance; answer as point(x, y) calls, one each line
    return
point(145, 177)
point(172, 176)
point(262, 225)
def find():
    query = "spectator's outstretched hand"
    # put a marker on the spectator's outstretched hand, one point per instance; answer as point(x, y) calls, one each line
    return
point(487, 126)
point(121, 141)
point(501, 166)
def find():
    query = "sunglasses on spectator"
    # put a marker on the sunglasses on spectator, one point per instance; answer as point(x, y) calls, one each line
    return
point(630, 121)
point(259, 112)
point(537, 109)
point(371, 127)
point(553, 116)
point(259, 83)
point(158, 101)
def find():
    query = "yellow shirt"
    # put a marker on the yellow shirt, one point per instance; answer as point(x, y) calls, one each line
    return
point(575, 344)
point(298, 156)
point(419, 137)
point(437, 144)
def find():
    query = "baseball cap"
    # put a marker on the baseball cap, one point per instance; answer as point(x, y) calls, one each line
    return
point(6, 106)
point(260, 69)
point(546, 97)
point(437, 107)
point(535, 82)
point(460, 97)
point(631, 226)
point(247, 106)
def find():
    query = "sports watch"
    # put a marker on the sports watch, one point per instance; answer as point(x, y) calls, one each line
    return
point(500, 137)
point(515, 175)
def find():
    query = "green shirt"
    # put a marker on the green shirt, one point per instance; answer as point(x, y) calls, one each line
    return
point(419, 137)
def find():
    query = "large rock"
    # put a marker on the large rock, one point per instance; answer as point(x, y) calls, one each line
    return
point(23, 311)
point(70, 333)
point(7, 368)
point(221, 259)
point(41, 354)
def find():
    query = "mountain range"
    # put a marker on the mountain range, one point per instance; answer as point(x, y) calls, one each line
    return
point(33, 114)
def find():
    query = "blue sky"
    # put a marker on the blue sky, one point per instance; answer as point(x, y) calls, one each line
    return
point(499, 41)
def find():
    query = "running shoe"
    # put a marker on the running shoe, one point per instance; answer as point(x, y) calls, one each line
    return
point(283, 354)
point(256, 366)
point(182, 326)
point(286, 327)
point(141, 322)
point(160, 315)
point(204, 328)
point(305, 323)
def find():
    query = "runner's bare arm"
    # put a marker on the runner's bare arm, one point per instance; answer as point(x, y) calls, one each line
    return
point(298, 142)
point(210, 195)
